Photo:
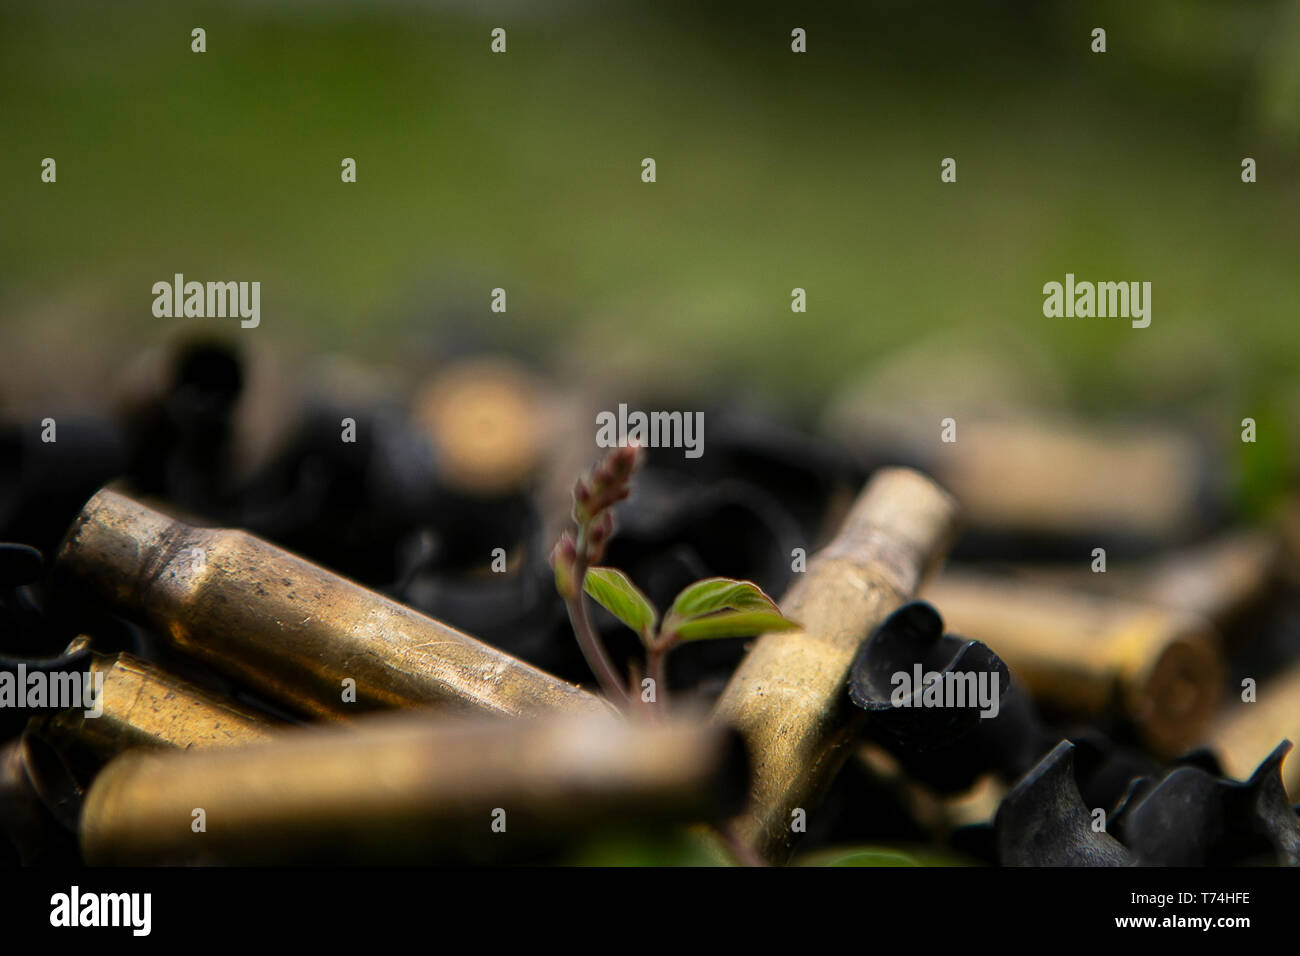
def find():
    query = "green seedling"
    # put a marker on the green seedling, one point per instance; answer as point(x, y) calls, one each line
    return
point(711, 609)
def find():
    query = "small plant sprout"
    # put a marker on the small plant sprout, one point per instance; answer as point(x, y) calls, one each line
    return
point(706, 610)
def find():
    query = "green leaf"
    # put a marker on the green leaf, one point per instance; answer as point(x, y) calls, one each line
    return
point(719, 594)
point(615, 592)
point(732, 624)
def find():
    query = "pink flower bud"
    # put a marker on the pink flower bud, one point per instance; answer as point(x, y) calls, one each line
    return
point(563, 557)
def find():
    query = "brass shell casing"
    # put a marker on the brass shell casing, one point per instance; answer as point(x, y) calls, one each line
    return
point(287, 627)
point(139, 706)
point(788, 697)
point(400, 788)
point(144, 706)
point(1246, 733)
point(1045, 492)
point(1081, 654)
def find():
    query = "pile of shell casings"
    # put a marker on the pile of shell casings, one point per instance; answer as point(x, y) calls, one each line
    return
point(376, 667)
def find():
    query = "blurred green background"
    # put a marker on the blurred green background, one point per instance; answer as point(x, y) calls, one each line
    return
point(775, 170)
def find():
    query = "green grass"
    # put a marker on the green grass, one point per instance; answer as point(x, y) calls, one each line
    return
point(774, 171)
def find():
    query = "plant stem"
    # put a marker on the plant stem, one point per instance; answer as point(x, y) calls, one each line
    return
point(656, 654)
point(588, 641)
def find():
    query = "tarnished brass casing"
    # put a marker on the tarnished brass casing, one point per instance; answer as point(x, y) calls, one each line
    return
point(287, 627)
point(400, 788)
point(788, 697)
point(1082, 653)
point(144, 706)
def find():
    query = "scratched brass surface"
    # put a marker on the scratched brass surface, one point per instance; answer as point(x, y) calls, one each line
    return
point(788, 697)
point(144, 706)
point(288, 627)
